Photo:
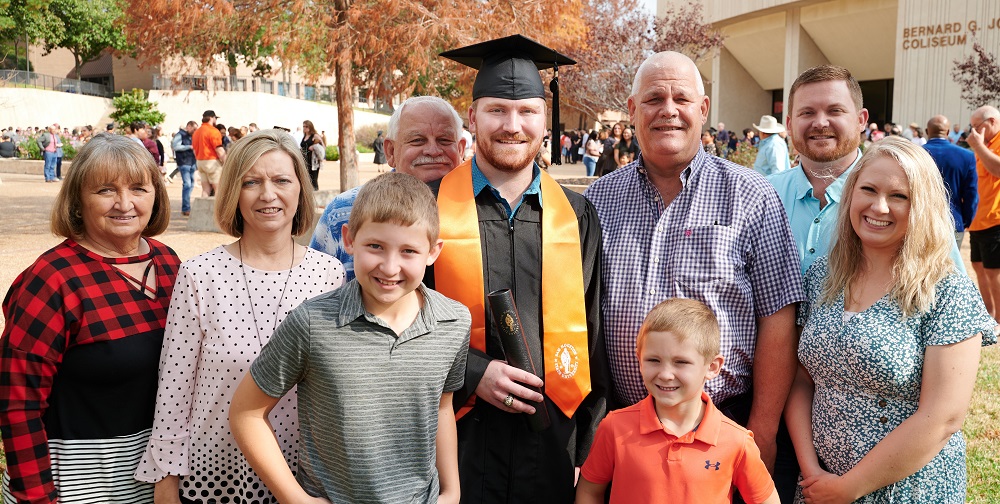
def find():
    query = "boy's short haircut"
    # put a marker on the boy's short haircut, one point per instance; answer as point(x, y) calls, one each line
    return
point(395, 198)
point(687, 319)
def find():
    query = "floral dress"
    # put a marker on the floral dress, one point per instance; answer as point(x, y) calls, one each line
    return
point(867, 370)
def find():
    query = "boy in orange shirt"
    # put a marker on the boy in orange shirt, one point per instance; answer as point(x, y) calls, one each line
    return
point(703, 455)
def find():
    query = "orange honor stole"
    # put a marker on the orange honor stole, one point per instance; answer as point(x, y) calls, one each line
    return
point(458, 274)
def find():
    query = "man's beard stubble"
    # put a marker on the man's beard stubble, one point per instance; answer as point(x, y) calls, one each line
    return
point(512, 162)
point(845, 146)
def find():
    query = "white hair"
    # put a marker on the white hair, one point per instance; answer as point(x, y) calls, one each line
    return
point(663, 60)
point(987, 112)
point(439, 103)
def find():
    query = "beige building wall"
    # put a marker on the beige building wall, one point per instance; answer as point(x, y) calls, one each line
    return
point(912, 43)
point(930, 35)
point(741, 110)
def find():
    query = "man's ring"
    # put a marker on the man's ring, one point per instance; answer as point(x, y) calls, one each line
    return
point(509, 401)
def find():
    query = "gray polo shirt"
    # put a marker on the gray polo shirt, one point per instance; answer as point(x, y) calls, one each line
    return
point(367, 399)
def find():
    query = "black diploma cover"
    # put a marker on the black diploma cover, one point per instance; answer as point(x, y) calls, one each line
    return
point(517, 350)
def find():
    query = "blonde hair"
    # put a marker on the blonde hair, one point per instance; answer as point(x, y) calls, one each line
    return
point(106, 158)
point(923, 258)
point(397, 198)
point(688, 319)
point(240, 159)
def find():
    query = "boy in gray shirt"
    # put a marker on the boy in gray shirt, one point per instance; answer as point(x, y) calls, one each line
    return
point(376, 363)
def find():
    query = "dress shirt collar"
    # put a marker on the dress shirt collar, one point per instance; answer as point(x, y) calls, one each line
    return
point(480, 182)
point(707, 431)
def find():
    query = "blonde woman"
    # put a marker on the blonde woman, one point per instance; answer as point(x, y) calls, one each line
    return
point(890, 343)
point(225, 305)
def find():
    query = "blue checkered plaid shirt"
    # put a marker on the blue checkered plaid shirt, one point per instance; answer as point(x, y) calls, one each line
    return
point(724, 240)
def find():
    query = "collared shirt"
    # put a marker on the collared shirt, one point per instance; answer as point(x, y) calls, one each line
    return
point(954, 136)
point(480, 182)
point(724, 240)
point(988, 214)
point(648, 463)
point(958, 169)
point(814, 228)
point(357, 380)
point(772, 156)
point(328, 237)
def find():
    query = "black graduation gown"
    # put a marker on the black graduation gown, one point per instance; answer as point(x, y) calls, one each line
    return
point(500, 459)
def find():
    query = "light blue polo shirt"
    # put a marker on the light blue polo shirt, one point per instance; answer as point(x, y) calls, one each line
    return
point(815, 229)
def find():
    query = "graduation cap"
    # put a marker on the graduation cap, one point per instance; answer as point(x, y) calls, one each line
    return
point(508, 68)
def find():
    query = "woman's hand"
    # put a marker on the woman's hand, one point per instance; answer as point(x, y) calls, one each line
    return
point(825, 488)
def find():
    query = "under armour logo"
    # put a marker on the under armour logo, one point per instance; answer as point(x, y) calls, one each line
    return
point(709, 465)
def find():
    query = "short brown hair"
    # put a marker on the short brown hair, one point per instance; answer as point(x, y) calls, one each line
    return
point(687, 319)
point(105, 158)
point(240, 159)
point(396, 198)
point(825, 73)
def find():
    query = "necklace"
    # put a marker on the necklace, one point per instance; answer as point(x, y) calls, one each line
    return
point(280, 299)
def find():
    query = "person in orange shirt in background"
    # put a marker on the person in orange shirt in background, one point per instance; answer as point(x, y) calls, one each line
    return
point(702, 454)
point(208, 151)
point(984, 232)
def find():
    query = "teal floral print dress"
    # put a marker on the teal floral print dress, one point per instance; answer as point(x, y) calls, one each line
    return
point(867, 369)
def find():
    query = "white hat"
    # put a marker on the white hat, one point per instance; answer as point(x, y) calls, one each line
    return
point(768, 124)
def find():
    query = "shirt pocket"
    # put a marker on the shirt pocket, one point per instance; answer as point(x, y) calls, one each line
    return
point(704, 254)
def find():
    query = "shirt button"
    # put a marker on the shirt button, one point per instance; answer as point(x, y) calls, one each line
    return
point(652, 291)
point(812, 251)
point(883, 420)
point(881, 403)
point(817, 220)
point(656, 260)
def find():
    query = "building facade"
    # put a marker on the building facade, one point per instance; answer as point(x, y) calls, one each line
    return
point(901, 51)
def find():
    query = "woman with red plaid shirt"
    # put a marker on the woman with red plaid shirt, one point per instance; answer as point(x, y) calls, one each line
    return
point(84, 327)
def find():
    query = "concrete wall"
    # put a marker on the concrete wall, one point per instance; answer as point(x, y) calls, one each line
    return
point(738, 109)
point(923, 85)
point(239, 109)
point(39, 107)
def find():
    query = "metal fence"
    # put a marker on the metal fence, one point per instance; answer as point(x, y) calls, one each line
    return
point(21, 78)
point(247, 84)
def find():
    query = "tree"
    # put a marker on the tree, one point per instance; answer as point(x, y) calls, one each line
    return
point(620, 36)
point(23, 22)
point(131, 107)
point(384, 45)
point(86, 28)
point(979, 76)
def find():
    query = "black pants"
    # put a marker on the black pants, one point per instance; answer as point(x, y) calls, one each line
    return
point(786, 466)
point(314, 178)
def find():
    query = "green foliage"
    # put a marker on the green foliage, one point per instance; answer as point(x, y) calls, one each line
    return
point(31, 19)
point(134, 106)
point(364, 148)
point(86, 28)
point(29, 149)
point(332, 153)
point(365, 135)
point(69, 152)
point(745, 154)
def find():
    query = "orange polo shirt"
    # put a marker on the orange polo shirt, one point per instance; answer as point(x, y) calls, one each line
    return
point(701, 466)
point(204, 141)
point(988, 213)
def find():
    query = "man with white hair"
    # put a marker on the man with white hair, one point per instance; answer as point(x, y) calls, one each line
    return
point(424, 140)
point(984, 232)
point(679, 222)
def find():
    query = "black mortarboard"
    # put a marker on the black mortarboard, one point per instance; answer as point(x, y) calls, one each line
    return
point(508, 68)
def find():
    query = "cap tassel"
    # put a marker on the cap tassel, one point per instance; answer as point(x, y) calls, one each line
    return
point(554, 137)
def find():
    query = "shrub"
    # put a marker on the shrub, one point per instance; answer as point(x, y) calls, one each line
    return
point(364, 148)
point(69, 151)
point(134, 106)
point(745, 154)
point(332, 153)
point(365, 135)
point(29, 149)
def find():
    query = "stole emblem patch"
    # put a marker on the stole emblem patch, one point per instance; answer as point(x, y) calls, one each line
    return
point(566, 360)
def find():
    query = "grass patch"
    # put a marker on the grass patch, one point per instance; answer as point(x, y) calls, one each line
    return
point(982, 431)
